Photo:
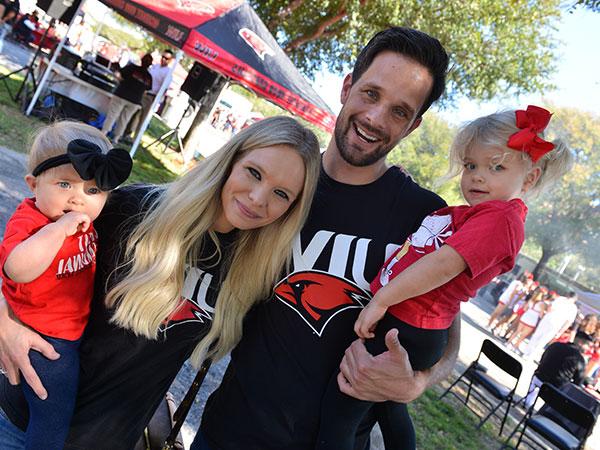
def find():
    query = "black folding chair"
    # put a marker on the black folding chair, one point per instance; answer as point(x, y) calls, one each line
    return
point(479, 382)
point(562, 421)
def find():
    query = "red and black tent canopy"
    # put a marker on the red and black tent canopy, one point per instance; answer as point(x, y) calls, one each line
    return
point(228, 37)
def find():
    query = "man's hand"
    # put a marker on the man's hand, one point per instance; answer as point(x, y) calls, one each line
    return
point(388, 376)
point(15, 342)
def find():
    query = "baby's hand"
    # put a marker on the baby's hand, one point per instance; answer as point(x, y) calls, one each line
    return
point(73, 221)
point(368, 318)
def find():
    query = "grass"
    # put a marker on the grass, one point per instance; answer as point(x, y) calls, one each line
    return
point(447, 424)
point(15, 127)
point(149, 165)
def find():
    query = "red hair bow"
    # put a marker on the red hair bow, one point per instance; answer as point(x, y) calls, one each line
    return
point(531, 122)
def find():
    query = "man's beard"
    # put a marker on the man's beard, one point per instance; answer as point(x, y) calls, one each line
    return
point(357, 158)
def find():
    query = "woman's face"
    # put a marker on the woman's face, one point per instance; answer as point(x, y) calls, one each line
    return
point(262, 186)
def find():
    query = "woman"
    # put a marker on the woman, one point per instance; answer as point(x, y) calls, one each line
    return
point(209, 244)
point(508, 298)
point(533, 311)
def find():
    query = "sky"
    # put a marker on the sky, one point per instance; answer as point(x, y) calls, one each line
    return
point(577, 78)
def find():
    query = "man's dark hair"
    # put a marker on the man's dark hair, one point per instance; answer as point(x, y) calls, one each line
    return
point(413, 44)
point(572, 294)
point(168, 50)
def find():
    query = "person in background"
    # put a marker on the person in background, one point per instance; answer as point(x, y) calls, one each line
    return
point(533, 311)
point(159, 74)
point(593, 364)
point(556, 321)
point(24, 27)
point(11, 10)
point(560, 364)
point(508, 297)
point(135, 80)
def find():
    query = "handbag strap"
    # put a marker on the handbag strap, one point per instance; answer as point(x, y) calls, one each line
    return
point(184, 407)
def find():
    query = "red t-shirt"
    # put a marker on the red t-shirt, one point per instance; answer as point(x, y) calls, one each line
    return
point(488, 236)
point(57, 303)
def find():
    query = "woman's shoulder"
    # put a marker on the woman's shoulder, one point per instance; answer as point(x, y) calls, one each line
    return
point(125, 203)
point(132, 199)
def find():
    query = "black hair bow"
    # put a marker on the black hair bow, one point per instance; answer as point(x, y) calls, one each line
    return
point(109, 170)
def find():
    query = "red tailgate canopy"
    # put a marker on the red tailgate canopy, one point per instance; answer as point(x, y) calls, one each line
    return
point(228, 37)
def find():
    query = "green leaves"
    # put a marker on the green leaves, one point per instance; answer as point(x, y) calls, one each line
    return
point(566, 219)
point(496, 47)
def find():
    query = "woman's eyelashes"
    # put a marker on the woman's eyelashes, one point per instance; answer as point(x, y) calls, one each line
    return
point(257, 175)
point(282, 194)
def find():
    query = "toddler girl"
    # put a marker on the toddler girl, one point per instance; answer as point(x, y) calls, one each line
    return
point(455, 251)
point(48, 261)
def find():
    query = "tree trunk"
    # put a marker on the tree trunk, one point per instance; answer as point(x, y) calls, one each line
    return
point(193, 134)
point(546, 255)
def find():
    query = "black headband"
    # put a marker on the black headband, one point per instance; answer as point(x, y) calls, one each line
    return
point(108, 170)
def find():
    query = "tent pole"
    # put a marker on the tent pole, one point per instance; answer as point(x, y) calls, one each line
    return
point(48, 70)
point(157, 99)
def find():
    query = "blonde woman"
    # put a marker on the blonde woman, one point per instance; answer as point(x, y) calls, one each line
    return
point(533, 311)
point(172, 260)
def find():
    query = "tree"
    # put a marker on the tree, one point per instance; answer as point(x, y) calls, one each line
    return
point(593, 5)
point(567, 218)
point(424, 154)
point(496, 47)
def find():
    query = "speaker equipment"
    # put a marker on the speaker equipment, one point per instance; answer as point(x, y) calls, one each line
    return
point(199, 81)
point(63, 10)
point(68, 59)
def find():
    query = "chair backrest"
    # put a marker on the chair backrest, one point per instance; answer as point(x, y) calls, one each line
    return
point(501, 358)
point(566, 411)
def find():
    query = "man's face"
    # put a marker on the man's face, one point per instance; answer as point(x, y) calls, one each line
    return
point(165, 59)
point(380, 108)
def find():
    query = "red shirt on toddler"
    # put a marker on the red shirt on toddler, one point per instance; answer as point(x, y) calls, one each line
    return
point(57, 303)
point(488, 236)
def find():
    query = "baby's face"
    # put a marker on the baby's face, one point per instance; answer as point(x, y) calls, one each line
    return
point(60, 190)
point(494, 174)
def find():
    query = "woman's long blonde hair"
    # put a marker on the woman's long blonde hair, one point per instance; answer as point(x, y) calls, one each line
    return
point(171, 235)
point(493, 131)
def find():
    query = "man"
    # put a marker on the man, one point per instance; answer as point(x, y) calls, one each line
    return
point(159, 73)
point(362, 211)
point(562, 314)
point(135, 80)
point(561, 363)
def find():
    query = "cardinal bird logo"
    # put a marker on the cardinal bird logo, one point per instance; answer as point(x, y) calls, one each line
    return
point(256, 43)
point(189, 311)
point(318, 296)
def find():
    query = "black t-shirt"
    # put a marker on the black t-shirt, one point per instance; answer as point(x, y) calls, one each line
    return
point(136, 80)
point(271, 393)
point(561, 363)
point(123, 377)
